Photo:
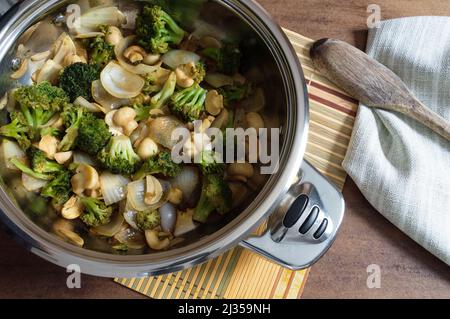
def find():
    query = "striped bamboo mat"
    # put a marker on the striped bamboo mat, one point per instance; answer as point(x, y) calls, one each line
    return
point(240, 273)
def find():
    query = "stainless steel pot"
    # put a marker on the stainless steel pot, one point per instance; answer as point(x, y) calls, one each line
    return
point(304, 215)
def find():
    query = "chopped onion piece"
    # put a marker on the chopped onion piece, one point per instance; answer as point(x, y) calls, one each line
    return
point(112, 228)
point(175, 58)
point(114, 187)
point(102, 97)
point(168, 214)
point(187, 181)
point(131, 237)
point(92, 18)
point(136, 196)
point(121, 83)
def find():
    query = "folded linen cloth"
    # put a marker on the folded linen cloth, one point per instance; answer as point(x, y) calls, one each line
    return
point(402, 167)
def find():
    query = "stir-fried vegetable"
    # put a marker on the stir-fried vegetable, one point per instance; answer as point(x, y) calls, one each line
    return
point(188, 103)
point(101, 53)
point(216, 195)
point(119, 157)
point(58, 189)
point(93, 134)
point(96, 213)
point(228, 58)
point(37, 105)
point(147, 219)
point(92, 149)
point(76, 80)
point(156, 30)
point(161, 163)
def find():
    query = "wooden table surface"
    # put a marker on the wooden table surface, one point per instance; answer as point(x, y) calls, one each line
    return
point(407, 270)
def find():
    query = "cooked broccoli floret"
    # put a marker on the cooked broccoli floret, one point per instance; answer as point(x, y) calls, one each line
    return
point(72, 119)
point(163, 96)
point(227, 58)
point(210, 164)
point(30, 172)
point(161, 163)
point(100, 53)
point(195, 71)
point(147, 219)
point(156, 30)
point(142, 111)
point(215, 196)
point(38, 104)
point(93, 134)
point(18, 131)
point(155, 80)
point(119, 157)
point(51, 131)
point(96, 212)
point(234, 93)
point(59, 189)
point(188, 103)
point(76, 80)
point(41, 164)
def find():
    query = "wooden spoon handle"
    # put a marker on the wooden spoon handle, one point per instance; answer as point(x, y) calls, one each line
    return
point(372, 83)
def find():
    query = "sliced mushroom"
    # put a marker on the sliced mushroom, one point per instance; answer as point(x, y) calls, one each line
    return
point(154, 241)
point(49, 145)
point(153, 190)
point(21, 71)
point(66, 48)
point(240, 171)
point(114, 129)
point(86, 178)
point(184, 79)
point(63, 157)
point(123, 120)
point(124, 115)
point(135, 54)
point(49, 72)
point(214, 103)
point(147, 148)
point(113, 36)
point(175, 196)
point(72, 209)
point(151, 59)
point(41, 56)
point(73, 58)
point(65, 230)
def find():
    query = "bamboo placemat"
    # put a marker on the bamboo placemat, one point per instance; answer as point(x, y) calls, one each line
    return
point(240, 273)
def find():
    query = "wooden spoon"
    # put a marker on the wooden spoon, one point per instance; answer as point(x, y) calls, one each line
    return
point(372, 83)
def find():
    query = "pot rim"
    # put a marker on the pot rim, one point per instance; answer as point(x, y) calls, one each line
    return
point(54, 249)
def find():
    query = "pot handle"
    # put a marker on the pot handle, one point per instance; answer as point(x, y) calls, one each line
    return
point(304, 225)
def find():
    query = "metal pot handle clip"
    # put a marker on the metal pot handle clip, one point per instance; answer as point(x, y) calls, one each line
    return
point(304, 225)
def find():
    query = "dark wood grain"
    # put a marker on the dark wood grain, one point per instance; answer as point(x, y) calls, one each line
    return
point(408, 271)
